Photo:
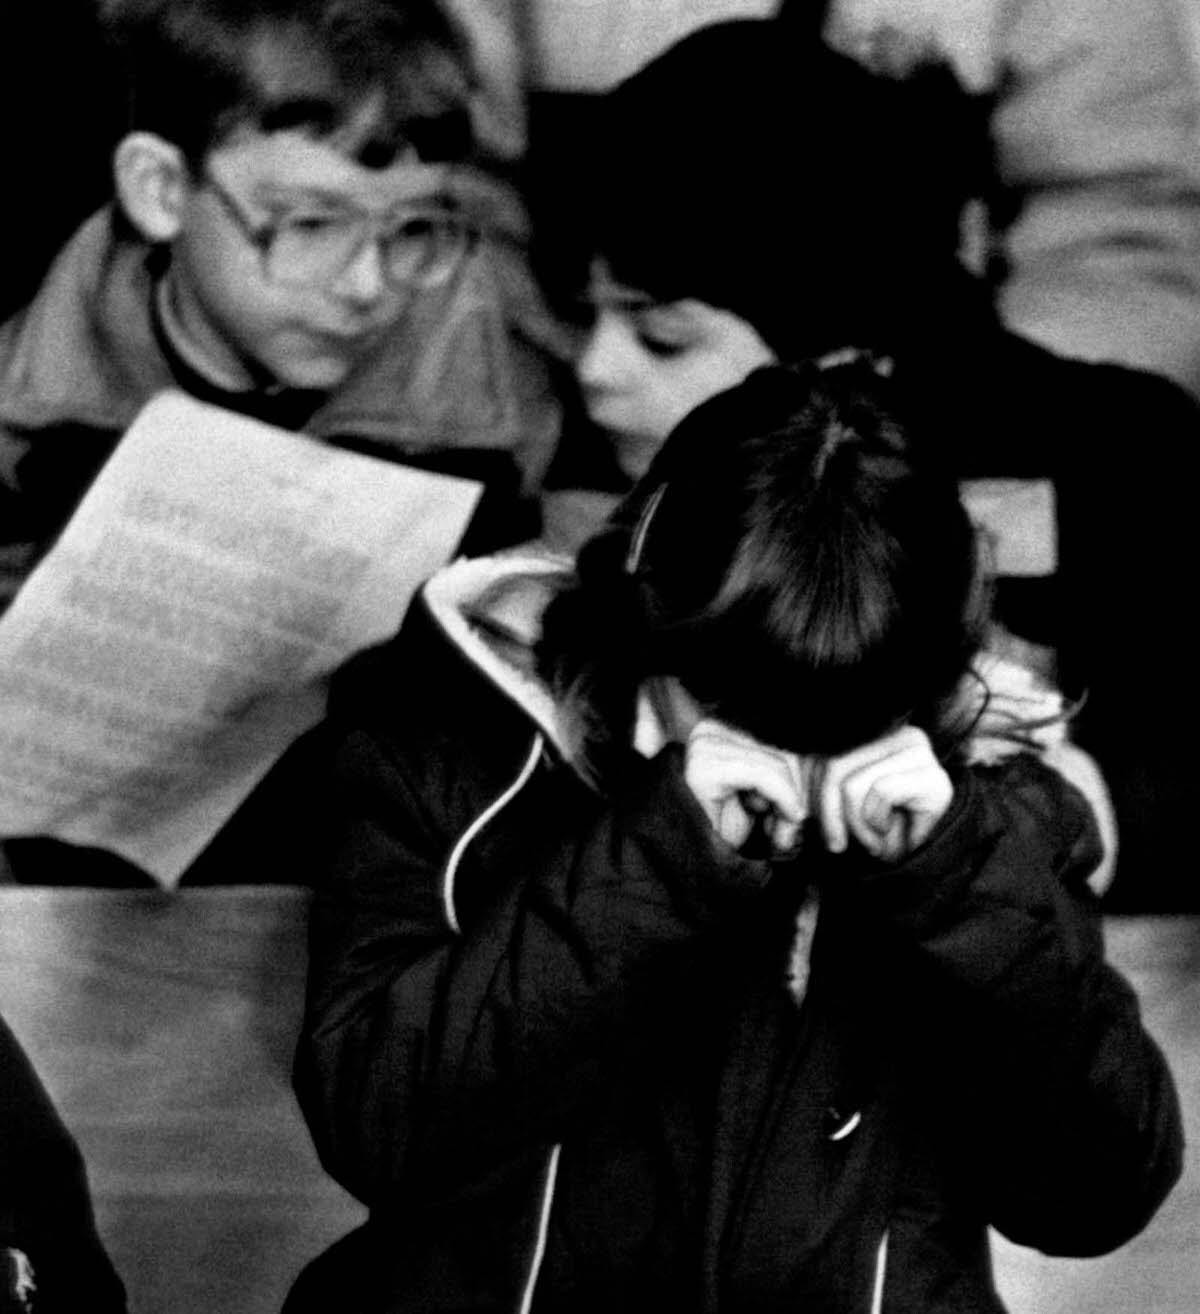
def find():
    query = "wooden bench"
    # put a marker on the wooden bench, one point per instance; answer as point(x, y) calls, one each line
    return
point(164, 1026)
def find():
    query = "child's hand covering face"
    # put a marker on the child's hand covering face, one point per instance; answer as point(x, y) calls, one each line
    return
point(888, 795)
point(736, 779)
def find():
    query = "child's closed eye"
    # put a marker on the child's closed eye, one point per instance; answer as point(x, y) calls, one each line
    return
point(667, 331)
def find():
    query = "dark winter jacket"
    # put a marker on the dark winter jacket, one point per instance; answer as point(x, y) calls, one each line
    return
point(577, 1055)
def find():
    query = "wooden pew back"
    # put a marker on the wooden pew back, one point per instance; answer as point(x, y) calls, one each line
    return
point(164, 1026)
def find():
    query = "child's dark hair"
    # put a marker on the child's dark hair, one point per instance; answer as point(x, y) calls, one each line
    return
point(792, 560)
point(197, 69)
point(746, 167)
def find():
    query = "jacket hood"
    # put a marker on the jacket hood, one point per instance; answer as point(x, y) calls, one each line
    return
point(490, 609)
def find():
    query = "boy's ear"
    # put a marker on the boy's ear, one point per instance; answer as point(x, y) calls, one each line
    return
point(152, 183)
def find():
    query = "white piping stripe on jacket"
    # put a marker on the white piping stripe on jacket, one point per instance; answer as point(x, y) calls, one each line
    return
point(880, 1273)
point(539, 1249)
point(477, 825)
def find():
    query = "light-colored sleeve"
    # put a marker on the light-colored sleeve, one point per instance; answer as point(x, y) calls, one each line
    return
point(1097, 139)
point(1095, 212)
point(498, 108)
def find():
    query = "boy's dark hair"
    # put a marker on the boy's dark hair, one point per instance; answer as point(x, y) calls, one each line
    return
point(792, 560)
point(197, 69)
point(752, 167)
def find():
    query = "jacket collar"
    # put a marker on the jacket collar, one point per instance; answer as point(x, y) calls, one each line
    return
point(84, 351)
point(490, 609)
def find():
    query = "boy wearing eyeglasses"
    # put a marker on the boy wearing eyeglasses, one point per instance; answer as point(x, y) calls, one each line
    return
point(305, 231)
point(299, 234)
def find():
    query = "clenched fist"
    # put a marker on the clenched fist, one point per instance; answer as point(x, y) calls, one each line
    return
point(886, 795)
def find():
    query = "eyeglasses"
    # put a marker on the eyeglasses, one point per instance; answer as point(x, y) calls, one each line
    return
point(421, 246)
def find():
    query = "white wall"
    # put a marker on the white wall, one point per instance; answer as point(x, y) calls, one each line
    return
point(589, 44)
point(1191, 13)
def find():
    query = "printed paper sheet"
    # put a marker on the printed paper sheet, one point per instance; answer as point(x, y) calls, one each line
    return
point(180, 633)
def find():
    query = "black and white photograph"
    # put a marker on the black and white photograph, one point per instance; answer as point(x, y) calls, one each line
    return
point(597, 697)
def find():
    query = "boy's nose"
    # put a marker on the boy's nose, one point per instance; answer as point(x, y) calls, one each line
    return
point(606, 358)
point(363, 280)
